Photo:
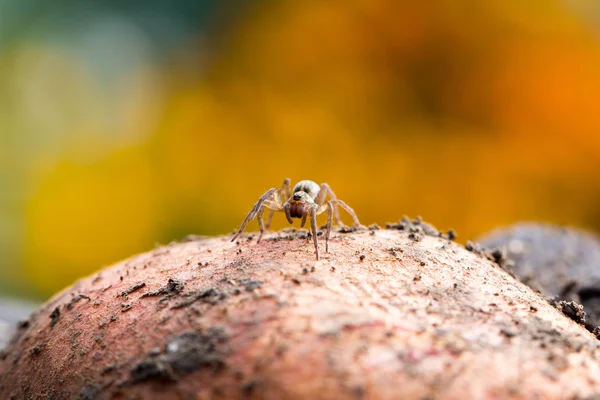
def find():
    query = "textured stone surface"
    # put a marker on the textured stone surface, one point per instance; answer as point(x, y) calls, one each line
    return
point(386, 314)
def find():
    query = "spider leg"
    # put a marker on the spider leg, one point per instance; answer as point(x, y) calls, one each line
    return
point(284, 195)
point(254, 211)
point(327, 207)
point(349, 210)
point(345, 206)
point(320, 200)
point(330, 208)
point(313, 225)
point(271, 205)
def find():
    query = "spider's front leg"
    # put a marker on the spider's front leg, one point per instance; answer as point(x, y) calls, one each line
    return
point(280, 198)
point(255, 210)
point(271, 205)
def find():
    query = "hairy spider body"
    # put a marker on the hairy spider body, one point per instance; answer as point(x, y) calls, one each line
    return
point(308, 187)
point(307, 200)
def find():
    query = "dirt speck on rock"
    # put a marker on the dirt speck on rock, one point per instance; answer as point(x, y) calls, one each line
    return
point(182, 355)
point(132, 289)
point(417, 229)
point(496, 255)
point(54, 317)
point(172, 288)
point(572, 310)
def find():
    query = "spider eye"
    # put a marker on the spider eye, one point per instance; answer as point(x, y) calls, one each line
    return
point(297, 196)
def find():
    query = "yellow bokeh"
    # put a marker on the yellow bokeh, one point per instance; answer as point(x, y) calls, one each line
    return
point(471, 114)
point(84, 216)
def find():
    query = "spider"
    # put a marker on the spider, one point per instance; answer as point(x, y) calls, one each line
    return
point(307, 199)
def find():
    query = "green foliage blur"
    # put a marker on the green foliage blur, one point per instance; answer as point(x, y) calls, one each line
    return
point(126, 124)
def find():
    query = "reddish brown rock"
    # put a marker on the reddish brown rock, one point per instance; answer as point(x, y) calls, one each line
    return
point(382, 316)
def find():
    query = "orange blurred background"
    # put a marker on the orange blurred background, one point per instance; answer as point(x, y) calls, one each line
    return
point(126, 126)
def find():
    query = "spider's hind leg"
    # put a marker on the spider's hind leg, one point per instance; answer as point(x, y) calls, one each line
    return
point(313, 225)
point(349, 210)
point(330, 211)
point(320, 200)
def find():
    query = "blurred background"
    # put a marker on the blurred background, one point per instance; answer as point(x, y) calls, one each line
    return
point(126, 124)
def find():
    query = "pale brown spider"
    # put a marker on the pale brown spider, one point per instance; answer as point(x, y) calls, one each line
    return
point(308, 199)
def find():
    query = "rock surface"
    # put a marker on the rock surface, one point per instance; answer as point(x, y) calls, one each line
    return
point(387, 314)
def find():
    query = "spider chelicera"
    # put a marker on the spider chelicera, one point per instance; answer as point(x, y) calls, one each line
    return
point(307, 199)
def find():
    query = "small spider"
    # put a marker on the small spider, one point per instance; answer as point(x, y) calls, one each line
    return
point(308, 199)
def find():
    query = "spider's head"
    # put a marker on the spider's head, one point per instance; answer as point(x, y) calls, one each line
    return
point(298, 204)
point(300, 197)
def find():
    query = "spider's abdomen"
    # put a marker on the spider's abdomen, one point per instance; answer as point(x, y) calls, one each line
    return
point(309, 187)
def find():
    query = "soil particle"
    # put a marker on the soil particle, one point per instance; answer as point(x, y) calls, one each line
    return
point(172, 288)
point(251, 284)
point(451, 235)
point(108, 369)
point(251, 386)
point(132, 289)
point(76, 299)
point(417, 229)
point(54, 317)
point(125, 307)
point(212, 296)
point(183, 355)
point(495, 255)
point(508, 332)
point(292, 234)
point(571, 309)
point(35, 350)
point(23, 324)
point(88, 392)
point(417, 237)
